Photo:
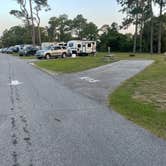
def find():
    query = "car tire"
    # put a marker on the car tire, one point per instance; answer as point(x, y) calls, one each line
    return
point(47, 56)
point(63, 55)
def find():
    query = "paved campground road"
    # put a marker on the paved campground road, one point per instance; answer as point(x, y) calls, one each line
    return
point(99, 82)
point(44, 123)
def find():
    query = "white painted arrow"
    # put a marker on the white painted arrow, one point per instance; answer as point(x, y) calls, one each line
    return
point(15, 83)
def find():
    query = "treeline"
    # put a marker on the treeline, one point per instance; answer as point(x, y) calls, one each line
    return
point(62, 28)
point(149, 33)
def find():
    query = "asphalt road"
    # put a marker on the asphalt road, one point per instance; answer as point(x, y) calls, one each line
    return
point(99, 82)
point(44, 123)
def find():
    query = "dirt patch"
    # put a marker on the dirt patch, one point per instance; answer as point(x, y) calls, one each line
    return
point(154, 93)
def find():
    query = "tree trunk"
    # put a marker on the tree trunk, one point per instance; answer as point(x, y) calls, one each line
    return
point(39, 32)
point(142, 25)
point(141, 38)
point(151, 36)
point(33, 27)
point(136, 32)
point(151, 26)
point(135, 38)
point(39, 35)
point(160, 27)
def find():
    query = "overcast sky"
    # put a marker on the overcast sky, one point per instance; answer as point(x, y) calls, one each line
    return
point(98, 11)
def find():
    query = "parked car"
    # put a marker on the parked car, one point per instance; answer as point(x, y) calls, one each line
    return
point(23, 50)
point(17, 48)
point(52, 51)
point(10, 50)
point(30, 51)
point(4, 50)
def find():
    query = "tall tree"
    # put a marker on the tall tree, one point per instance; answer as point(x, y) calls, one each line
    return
point(32, 22)
point(90, 31)
point(26, 14)
point(162, 4)
point(39, 5)
point(151, 24)
point(160, 26)
point(79, 23)
point(115, 40)
point(15, 35)
point(53, 28)
point(60, 28)
point(142, 21)
point(135, 13)
point(22, 13)
point(132, 10)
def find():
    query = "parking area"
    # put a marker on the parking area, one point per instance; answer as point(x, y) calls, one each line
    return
point(99, 82)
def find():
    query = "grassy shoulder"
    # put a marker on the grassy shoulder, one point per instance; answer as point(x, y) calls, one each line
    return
point(27, 57)
point(142, 99)
point(24, 57)
point(69, 65)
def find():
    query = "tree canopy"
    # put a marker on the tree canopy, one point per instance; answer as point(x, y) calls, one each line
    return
point(149, 35)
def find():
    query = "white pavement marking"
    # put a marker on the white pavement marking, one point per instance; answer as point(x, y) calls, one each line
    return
point(15, 83)
point(90, 80)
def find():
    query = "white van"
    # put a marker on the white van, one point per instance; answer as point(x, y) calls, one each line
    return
point(81, 47)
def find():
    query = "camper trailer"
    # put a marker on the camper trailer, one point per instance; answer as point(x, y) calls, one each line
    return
point(47, 44)
point(81, 47)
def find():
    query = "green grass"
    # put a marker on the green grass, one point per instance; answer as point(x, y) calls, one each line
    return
point(27, 57)
point(124, 56)
point(142, 99)
point(69, 65)
point(23, 57)
point(14, 54)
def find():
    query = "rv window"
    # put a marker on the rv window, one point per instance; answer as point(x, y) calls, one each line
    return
point(71, 44)
point(89, 45)
point(79, 45)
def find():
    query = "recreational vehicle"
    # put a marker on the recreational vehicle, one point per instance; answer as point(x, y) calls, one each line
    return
point(47, 44)
point(80, 47)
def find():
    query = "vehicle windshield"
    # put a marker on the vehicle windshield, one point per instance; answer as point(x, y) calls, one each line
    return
point(47, 48)
point(26, 47)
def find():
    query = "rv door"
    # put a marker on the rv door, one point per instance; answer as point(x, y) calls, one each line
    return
point(84, 48)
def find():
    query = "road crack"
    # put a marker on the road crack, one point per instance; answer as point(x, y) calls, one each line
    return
point(19, 124)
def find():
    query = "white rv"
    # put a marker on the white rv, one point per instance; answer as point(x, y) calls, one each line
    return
point(81, 47)
point(47, 44)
